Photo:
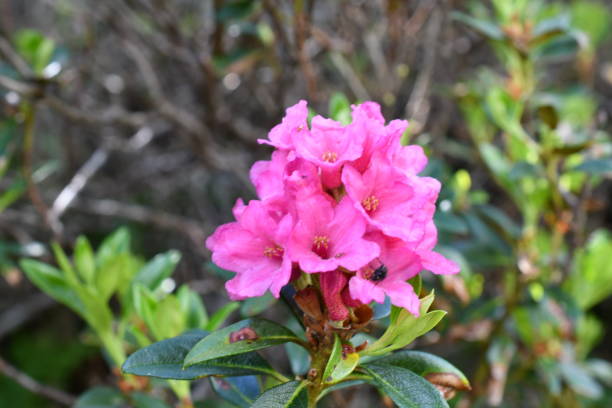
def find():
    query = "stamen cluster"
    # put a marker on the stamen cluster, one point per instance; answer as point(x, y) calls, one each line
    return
point(343, 204)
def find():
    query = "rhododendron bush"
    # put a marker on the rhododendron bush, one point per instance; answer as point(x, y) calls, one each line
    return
point(343, 222)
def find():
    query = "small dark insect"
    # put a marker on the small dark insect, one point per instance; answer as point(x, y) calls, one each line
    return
point(379, 273)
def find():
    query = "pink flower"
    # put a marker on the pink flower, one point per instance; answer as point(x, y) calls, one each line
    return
point(328, 146)
point(430, 260)
point(268, 175)
point(367, 127)
point(387, 275)
point(377, 229)
point(326, 238)
point(294, 123)
point(255, 248)
point(383, 196)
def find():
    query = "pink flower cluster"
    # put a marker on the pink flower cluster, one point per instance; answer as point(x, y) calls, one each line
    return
point(343, 202)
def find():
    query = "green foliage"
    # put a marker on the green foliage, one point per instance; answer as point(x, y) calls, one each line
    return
point(258, 334)
point(422, 364)
point(291, 394)
point(35, 48)
point(405, 327)
point(165, 359)
point(406, 389)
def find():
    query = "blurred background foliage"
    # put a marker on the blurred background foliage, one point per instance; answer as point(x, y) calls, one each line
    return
point(145, 114)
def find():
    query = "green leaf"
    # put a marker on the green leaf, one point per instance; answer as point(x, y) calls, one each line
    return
point(169, 318)
point(345, 366)
point(51, 281)
point(254, 306)
point(142, 400)
point(101, 397)
point(35, 48)
point(258, 333)
point(217, 319)
point(192, 306)
point(422, 363)
point(116, 243)
point(164, 359)
point(84, 259)
point(381, 310)
point(340, 108)
point(159, 268)
point(487, 28)
point(299, 359)
point(405, 388)
point(549, 28)
point(595, 166)
point(405, 327)
point(291, 394)
point(334, 358)
point(240, 391)
point(591, 279)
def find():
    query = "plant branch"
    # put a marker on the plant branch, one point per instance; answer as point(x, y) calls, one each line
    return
point(34, 386)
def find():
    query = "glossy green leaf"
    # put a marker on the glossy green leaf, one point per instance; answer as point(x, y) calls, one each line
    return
point(422, 363)
point(334, 358)
point(405, 388)
point(291, 394)
point(258, 334)
point(164, 359)
point(240, 391)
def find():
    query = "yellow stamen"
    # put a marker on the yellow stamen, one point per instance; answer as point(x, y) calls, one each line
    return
point(370, 203)
point(330, 157)
point(274, 251)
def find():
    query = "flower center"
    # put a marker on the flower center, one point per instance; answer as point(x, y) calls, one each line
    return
point(320, 246)
point(330, 157)
point(275, 251)
point(370, 203)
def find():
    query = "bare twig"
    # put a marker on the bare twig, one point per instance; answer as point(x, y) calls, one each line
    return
point(34, 386)
point(111, 115)
point(112, 208)
point(33, 192)
point(9, 53)
point(418, 105)
point(91, 166)
point(351, 77)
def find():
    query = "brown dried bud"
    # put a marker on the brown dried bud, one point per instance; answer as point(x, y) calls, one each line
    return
point(447, 383)
point(246, 333)
point(346, 350)
point(361, 347)
point(308, 300)
point(363, 316)
point(312, 373)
